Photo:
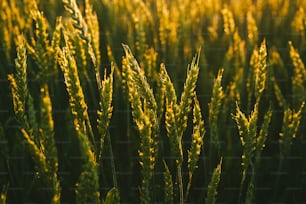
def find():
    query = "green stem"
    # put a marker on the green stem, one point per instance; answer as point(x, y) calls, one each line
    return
point(112, 160)
point(188, 187)
point(180, 182)
point(91, 134)
point(250, 191)
point(240, 191)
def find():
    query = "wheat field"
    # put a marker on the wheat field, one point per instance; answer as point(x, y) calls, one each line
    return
point(152, 101)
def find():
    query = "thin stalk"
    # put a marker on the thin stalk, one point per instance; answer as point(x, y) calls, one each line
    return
point(188, 187)
point(180, 183)
point(211, 153)
point(210, 150)
point(250, 189)
point(240, 191)
point(112, 160)
point(91, 134)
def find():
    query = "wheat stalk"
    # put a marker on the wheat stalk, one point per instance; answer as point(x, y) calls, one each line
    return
point(278, 94)
point(187, 94)
point(105, 111)
point(79, 50)
point(139, 79)
point(229, 23)
point(112, 197)
point(93, 28)
point(290, 126)
point(213, 185)
point(252, 29)
point(251, 190)
point(38, 156)
point(168, 86)
point(18, 83)
point(176, 115)
point(104, 116)
point(76, 100)
point(78, 21)
point(247, 130)
point(87, 187)
point(47, 139)
point(263, 134)
point(196, 142)
point(298, 23)
point(41, 144)
point(41, 49)
point(81, 27)
point(6, 28)
point(299, 77)
point(145, 116)
point(260, 70)
point(170, 112)
point(252, 142)
point(214, 110)
point(168, 185)
point(140, 39)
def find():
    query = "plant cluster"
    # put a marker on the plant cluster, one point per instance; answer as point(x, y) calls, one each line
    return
point(199, 101)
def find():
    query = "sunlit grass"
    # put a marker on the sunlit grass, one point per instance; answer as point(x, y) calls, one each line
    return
point(198, 97)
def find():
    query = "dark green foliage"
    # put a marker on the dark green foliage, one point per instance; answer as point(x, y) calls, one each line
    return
point(137, 135)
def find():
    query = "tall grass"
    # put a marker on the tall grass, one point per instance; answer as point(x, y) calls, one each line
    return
point(159, 126)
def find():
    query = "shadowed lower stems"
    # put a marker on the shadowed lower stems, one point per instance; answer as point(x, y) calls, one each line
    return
point(112, 160)
point(188, 187)
point(180, 183)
